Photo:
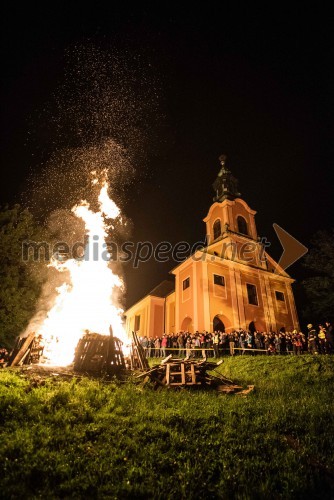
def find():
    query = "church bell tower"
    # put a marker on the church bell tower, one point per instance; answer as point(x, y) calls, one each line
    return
point(225, 186)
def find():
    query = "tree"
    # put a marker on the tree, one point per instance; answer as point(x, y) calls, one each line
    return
point(20, 281)
point(319, 288)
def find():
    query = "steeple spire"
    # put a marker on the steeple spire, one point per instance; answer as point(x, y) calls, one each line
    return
point(225, 186)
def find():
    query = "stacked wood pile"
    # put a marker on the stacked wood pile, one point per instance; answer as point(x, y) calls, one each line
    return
point(179, 373)
point(99, 353)
point(27, 350)
point(138, 360)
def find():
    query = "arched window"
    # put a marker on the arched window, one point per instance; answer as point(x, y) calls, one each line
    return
point(217, 231)
point(242, 225)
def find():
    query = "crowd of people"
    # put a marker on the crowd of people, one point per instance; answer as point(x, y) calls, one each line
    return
point(205, 344)
point(3, 356)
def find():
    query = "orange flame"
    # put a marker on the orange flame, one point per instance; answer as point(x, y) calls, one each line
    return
point(90, 300)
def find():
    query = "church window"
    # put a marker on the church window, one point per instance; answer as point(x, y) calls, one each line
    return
point(217, 229)
point(218, 280)
point(137, 323)
point(186, 283)
point(280, 296)
point(242, 225)
point(252, 295)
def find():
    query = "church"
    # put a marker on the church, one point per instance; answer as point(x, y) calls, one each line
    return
point(230, 283)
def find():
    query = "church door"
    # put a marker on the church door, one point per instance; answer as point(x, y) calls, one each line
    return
point(218, 325)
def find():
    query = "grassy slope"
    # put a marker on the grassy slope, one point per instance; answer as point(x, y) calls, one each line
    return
point(90, 439)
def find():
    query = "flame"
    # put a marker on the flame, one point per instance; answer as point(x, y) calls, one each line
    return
point(89, 302)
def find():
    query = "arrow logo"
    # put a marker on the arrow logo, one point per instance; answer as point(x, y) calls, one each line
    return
point(292, 248)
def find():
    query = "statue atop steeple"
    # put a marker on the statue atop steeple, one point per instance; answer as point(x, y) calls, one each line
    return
point(225, 186)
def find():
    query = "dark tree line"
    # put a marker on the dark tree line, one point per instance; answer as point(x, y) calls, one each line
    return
point(20, 282)
point(319, 287)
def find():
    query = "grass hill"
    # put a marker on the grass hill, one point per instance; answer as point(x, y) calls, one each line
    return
point(86, 438)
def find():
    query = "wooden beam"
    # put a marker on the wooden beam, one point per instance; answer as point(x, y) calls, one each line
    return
point(23, 349)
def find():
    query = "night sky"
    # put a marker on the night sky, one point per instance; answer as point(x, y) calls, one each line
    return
point(255, 85)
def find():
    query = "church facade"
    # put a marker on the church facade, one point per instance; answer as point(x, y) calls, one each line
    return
point(230, 283)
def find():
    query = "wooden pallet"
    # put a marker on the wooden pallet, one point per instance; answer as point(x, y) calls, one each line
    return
point(138, 357)
point(190, 373)
point(182, 374)
point(27, 350)
point(99, 353)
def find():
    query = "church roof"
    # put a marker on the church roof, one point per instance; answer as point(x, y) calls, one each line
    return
point(163, 289)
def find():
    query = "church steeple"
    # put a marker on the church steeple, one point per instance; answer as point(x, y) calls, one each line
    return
point(225, 186)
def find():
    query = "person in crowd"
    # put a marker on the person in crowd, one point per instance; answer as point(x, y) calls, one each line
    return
point(312, 341)
point(311, 333)
point(157, 345)
point(180, 343)
point(202, 340)
point(242, 341)
point(164, 344)
point(277, 343)
point(188, 347)
point(231, 342)
point(271, 348)
point(289, 344)
point(329, 338)
point(151, 348)
point(283, 343)
point(267, 342)
point(249, 340)
point(145, 342)
point(258, 340)
point(297, 344)
point(3, 356)
point(196, 343)
point(175, 344)
point(216, 345)
point(322, 340)
point(209, 345)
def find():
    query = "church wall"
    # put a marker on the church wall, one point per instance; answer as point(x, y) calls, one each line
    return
point(141, 309)
point(240, 249)
point(254, 313)
point(199, 323)
point(237, 209)
point(185, 298)
point(150, 310)
point(158, 321)
point(282, 309)
point(228, 211)
point(170, 314)
point(220, 297)
point(217, 213)
point(156, 312)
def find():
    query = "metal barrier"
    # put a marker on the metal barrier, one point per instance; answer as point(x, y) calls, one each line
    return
point(184, 350)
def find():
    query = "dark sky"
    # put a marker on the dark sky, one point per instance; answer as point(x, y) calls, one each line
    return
point(254, 84)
